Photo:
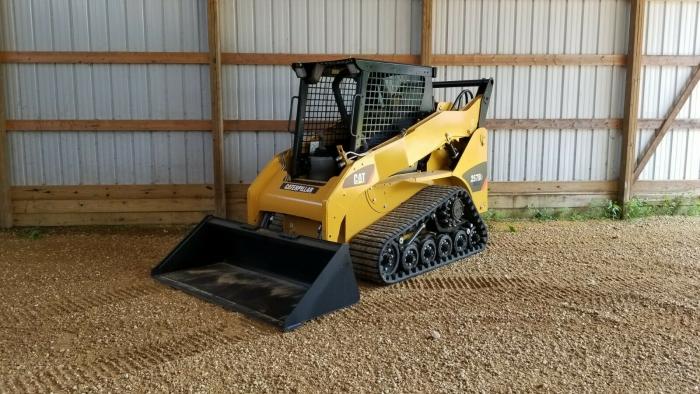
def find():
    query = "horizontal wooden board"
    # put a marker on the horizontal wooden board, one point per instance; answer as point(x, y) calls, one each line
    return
point(592, 187)
point(103, 192)
point(114, 205)
point(121, 218)
point(65, 57)
point(668, 187)
point(519, 201)
point(289, 58)
point(553, 124)
point(69, 57)
point(528, 60)
point(659, 60)
point(108, 125)
point(283, 125)
point(184, 204)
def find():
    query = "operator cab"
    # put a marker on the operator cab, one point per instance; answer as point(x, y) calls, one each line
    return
point(347, 107)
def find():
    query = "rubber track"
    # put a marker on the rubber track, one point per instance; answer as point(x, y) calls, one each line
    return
point(366, 245)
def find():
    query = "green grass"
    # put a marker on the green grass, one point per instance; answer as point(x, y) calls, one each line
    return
point(30, 233)
point(607, 209)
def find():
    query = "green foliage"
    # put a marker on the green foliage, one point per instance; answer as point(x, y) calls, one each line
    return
point(612, 210)
point(542, 214)
point(494, 215)
point(511, 228)
point(670, 207)
point(694, 209)
point(605, 209)
point(637, 208)
point(31, 233)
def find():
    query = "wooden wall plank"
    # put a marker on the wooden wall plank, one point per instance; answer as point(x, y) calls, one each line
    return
point(585, 187)
point(528, 60)
point(107, 218)
point(5, 201)
point(281, 125)
point(286, 59)
point(108, 125)
point(217, 109)
point(114, 205)
point(67, 57)
point(104, 57)
point(631, 105)
point(426, 37)
point(99, 192)
point(667, 187)
point(186, 204)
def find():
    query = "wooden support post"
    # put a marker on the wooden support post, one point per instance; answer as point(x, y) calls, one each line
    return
point(217, 116)
point(5, 202)
point(426, 38)
point(630, 120)
point(666, 125)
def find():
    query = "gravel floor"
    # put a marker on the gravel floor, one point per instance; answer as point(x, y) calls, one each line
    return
point(550, 306)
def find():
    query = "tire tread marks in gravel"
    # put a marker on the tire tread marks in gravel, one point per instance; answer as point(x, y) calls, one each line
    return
point(65, 377)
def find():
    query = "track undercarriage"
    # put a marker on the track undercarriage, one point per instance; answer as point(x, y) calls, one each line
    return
point(437, 226)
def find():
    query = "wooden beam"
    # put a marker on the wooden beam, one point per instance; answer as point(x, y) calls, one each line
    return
point(68, 57)
point(528, 60)
point(552, 187)
point(677, 124)
point(217, 108)
point(108, 125)
point(666, 125)
point(286, 59)
point(631, 105)
point(104, 192)
point(281, 125)
point(426, 36)
point(667, 187)
point(5, 202)
point(654, 60)
point(104, 57)
point(539, 124)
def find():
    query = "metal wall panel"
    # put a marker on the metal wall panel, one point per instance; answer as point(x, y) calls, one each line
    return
point(107, 91)
point(673, 28)
point(322, 26)
point(330, 26)
point(297, 26)
point(552, 92)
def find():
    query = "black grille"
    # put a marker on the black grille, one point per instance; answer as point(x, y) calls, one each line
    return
point(392, 103)
point(324, 122)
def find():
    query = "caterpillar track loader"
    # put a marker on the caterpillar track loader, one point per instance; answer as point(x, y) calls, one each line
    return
point(381, 183)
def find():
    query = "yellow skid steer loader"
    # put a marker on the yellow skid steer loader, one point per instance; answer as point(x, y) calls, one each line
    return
point(381, 183)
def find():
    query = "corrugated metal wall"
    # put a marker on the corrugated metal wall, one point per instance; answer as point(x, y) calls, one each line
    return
point(330, 26)
point(107, 91)
point(672, 29)
point(550, 92)
point(298, 26)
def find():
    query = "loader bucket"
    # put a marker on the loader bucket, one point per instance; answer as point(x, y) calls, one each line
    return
point(282, 279)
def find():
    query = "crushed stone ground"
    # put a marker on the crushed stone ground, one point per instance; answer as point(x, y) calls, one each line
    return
point(550, 306)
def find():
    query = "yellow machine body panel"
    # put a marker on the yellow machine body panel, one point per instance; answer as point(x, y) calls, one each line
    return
point(376, 183)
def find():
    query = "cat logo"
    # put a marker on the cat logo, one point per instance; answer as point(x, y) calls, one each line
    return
point(360, 177)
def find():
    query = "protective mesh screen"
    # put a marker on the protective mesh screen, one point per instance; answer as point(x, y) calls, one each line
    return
point(392, 103)
point(323, 120)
